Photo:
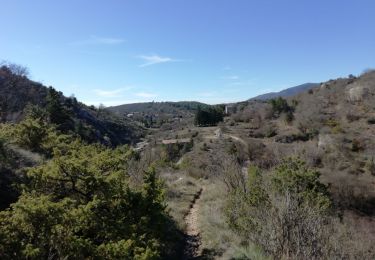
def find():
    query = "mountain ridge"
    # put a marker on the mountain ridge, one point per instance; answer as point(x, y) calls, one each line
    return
point(286, 92)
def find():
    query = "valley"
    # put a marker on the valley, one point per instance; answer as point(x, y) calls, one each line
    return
point(193, 130)
point(220, 184)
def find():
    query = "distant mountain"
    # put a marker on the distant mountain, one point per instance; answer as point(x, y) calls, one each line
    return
point(92, 124)
point(286, 92)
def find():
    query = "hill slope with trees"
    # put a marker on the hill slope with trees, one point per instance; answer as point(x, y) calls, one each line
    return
point(17, 92)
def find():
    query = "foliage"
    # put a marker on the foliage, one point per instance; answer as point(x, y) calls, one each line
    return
point(209, 116)
point(280, 105)
point(17, 92)
point(35, 134)
point(82, 204)
point(57, 113)
point(31, 133)
point(8, 179)
point(285, 213)
point(172, 152)
point(294, 177)
point(241, 201)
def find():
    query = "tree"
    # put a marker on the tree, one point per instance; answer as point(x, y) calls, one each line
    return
point(101, 108)
point(15, 69)
point(209, 116)
point(280, 105)
point(57, 113)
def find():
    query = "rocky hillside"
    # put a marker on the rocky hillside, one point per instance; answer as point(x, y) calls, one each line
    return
point(330, 126)
point(92, 124)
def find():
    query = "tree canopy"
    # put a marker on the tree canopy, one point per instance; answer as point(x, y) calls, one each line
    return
point(83, 204)
point(209, 116)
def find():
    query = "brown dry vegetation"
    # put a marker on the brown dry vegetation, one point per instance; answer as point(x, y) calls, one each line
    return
point(331, 130)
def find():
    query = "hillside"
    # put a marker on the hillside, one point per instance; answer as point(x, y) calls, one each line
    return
point(156, 114)
point(330, 126)
point(92, 124)
point(235, 171)
point(271, 171)
point(157, 107)
point(286, 92)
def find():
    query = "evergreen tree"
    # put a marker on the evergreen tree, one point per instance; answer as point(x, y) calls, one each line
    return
point(57, 113)
point(209, 116)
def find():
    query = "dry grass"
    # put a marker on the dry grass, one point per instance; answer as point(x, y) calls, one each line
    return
point(218, 241)
point(181, 190)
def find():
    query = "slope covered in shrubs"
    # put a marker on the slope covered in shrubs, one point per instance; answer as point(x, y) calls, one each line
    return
point(81, 202)
point(90, 123)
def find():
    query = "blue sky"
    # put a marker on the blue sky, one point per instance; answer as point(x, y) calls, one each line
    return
point(115, 52)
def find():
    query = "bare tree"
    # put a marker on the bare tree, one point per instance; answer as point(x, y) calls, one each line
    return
point(16, 69)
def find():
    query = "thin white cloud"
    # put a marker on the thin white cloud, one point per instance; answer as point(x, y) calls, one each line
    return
point(95, 40)
point(111, 93)
point(242, 83)
point(146, 95)
point(231, 77)
point(155, 59)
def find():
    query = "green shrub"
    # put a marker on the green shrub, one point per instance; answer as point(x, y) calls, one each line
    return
point(31, 133)
point(275, 211)
point(81, 205)
point(294, 177)
point(280, 105)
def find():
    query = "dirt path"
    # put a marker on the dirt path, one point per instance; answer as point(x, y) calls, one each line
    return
point(192, 234)
point(236, 138)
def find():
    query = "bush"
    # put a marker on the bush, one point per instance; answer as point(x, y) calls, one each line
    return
point(285, 214)
point(81, 204)
point(31, 133)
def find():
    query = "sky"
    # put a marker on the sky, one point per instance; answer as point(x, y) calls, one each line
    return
point(213, 51)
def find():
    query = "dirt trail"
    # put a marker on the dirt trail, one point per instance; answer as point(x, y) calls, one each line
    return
point(192, 234)
point(219, 134)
